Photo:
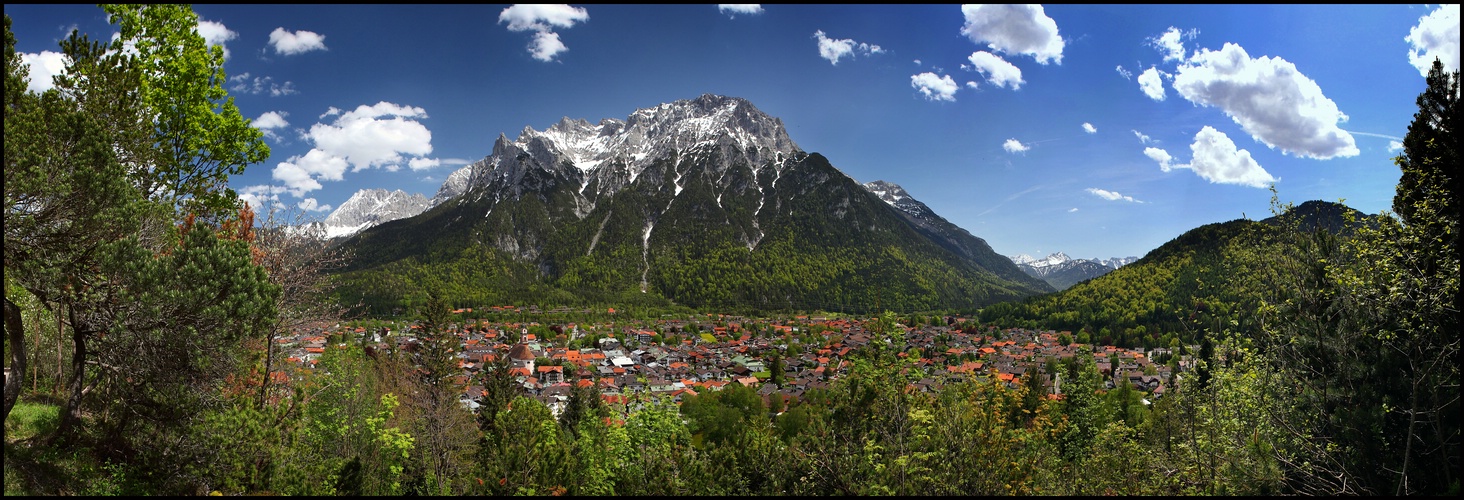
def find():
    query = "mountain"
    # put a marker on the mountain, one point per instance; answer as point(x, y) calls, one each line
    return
point(369, 207)
point(1062, 271)
point(948, 235)
point(1180, 288)
point(704, 202)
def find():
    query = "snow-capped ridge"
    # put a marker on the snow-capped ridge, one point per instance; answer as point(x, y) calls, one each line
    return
point(370, 207)
point(615, 152)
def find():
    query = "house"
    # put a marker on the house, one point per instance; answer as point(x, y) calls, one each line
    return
point(551, 374)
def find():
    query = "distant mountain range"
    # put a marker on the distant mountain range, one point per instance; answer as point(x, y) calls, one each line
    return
point(700, 202)
point(1062, 271)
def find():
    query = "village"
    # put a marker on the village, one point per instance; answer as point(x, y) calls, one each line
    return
point(677, 358)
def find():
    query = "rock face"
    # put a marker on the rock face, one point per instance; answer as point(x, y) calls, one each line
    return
point(369, 207)
point(703, 202)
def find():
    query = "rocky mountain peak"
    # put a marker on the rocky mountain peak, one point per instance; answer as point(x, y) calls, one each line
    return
point(369, 207)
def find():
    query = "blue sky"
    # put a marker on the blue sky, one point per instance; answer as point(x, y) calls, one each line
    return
point(1099, 131)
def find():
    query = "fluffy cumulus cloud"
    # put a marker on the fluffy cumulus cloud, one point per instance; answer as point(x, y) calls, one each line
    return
point(1152, 84)
point(1142, 137)
point(935, 87)
point(733, 9)
point(215, 34)
point(258, 196)
point(833, 50)
point(1161, 156)
point(1216, 159)
point(244, 83)
point(43, 68)
point(288, 44)
point(1269, 98)
point(1089, 128)
point(1014, 29)
point(972, 85)
point(374, 135)
point(1014, 146)
point(1435, 36)
point(542, 19)
point(996, 70)
point(382, 135)
point(1394, 146)
point(1171, 43)
point(309, 204)
point(269, 121)
point(1111, 196)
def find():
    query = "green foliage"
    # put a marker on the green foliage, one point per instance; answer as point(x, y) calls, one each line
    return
point(198, 138)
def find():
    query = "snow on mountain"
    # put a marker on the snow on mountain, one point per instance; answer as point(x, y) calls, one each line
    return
point(1060, 259)
point(614, 152)
point(896, 197)
point(1118, 262)
point(369, 207)
point(455, 185)
point(1062, 271)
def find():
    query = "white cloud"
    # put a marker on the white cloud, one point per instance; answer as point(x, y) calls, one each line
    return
point(833, 50)
point(309, 204)
point(299, 42)
point(1435, 36)
point(1071, 210)
point(1089, 128)
point(542, 19)
point(297, 180)
point(1394, 146)
point(374, 135)
point(382, 135)
point(733, 9)
point(1152, 84)
point(935, 87)
point(269, 121)
point(43, 68)
point(1014, 29)
point(546, 45)
point(258, 196)
point(1014, 146)
point(997, 71)
point(1160, 156)
point(1171, 43)
point(1126, 74)
point(423, 163)
point(917, 62)
point(1216, 159)
point(242, 83)
point(1269, 99)
point(215, 34)
point(1142, 138)
point(972, 85)
point(1111, 196)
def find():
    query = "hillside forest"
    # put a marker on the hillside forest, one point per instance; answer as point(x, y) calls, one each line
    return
point(142, 300)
